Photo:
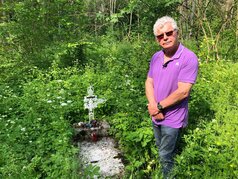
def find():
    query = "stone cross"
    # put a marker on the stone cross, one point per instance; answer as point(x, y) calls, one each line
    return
point(91, 101)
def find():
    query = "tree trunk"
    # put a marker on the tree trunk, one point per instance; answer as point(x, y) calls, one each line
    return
point(3, 12)
point(228, 7)
point(138, 21)
point(95, 18)
point(237, 26)
point(192, 18)
point(180, 22)
point(130, 23)
point(112, 10)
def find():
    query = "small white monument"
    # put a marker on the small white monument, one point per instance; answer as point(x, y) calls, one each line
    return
point(101, 153)
point(91, 102)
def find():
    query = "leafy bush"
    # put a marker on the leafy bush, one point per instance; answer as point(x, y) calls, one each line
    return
point(40, 111)
point(50, 103)
point(211, 149)
point(36, 138)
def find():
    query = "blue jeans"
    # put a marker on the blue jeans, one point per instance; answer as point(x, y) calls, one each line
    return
point(166, 140)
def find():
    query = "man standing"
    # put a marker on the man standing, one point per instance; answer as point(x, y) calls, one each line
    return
point(173, 71)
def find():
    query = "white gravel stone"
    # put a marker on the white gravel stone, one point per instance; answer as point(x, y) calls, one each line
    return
point(103, 154)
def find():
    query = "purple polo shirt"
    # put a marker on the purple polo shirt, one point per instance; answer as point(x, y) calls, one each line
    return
point(183, 67)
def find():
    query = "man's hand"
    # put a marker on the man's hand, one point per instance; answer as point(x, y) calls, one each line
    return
point(154, 111)
point(152, 108)
point(159, 116)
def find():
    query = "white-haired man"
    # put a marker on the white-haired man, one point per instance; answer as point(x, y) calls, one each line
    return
point(172, 73)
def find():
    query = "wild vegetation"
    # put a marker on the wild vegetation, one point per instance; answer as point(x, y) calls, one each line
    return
point(51, 51)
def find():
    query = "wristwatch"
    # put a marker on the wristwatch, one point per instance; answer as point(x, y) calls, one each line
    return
point(160, 107)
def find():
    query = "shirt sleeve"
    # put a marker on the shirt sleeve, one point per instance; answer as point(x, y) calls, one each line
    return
point(150, 72)
point(189, 71)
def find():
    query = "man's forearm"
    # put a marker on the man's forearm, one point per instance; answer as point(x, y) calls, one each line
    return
point(172, 99)
point(178, 95)
point(149, 90)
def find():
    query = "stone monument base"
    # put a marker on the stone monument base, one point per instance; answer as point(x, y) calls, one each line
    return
point(98, 148)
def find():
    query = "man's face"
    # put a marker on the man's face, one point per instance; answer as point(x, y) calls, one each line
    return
point(167, 36)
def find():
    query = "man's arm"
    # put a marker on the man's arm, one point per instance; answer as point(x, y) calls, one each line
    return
point(149, 90)
point(178, 95)
point(152, 104)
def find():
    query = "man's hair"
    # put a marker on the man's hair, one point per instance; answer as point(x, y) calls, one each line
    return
point(160, 22)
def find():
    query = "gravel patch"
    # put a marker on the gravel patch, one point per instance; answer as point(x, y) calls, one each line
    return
point(103, 154)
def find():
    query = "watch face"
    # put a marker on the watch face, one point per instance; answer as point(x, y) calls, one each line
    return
point(160, 107)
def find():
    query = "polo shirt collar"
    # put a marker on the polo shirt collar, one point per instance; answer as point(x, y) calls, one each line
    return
point(178, 52)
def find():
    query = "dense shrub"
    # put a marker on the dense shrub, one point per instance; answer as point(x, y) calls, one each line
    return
point(36, 121)
point(35, 137)
point(210, 142)
point(40, 117)
point(211, 148)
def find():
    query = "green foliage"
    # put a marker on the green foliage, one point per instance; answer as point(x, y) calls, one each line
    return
point(51, 51)
point(205, 51)
point(41, 115)
point(54, 100)
point(136, 140)
point(89, 172)
point(211, 149)
point(120, 77)
point(34, 133)
point(201, 97)
point(37, 26)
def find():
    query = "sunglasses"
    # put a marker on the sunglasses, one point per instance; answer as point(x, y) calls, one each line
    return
point(168, 34)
